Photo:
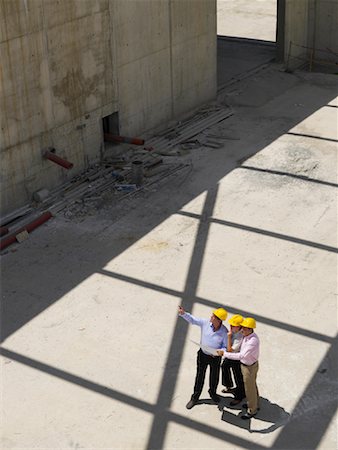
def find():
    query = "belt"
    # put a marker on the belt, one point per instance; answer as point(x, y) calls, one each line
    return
point(249, 365)
point(211, 356)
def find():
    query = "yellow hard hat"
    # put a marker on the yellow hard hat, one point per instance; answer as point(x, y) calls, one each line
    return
point(236, 320)
point(220, 313)
point(249, 322)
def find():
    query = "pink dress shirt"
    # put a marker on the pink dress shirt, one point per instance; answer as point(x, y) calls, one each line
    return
point(249, 351)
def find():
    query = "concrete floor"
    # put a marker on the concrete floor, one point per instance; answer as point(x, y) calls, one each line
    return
point(245, 56)
point(93, 353)
point(246, 36)
point(251, 19)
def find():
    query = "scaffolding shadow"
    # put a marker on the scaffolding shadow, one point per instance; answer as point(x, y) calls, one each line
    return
point(90, 256)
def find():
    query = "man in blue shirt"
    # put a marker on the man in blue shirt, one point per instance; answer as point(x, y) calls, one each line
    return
point(213, 338)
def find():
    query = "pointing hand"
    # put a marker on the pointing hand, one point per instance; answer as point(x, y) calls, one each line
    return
point(180, 310)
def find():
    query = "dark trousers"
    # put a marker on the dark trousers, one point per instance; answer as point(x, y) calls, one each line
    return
point(203, 361)
point(228, 364)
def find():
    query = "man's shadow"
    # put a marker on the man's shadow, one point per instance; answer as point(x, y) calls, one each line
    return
point(270, 416)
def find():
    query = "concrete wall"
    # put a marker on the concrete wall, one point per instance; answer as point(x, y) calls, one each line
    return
point(312, 24)
point(296, 32)
point(66, 64)
point(57, 83)
point(326, 29)
point(166, 56)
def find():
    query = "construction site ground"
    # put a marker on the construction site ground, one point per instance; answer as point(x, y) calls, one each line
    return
point(94, 354)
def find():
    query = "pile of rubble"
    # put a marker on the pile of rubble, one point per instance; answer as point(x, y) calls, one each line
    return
point(127, 167)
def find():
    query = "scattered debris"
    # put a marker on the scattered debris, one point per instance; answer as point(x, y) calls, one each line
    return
point(128, 140)
point(3, 231)
point(22, 236)
point(126, 187)
point(120, 172)
point(190, 145)
point(183, 131)
point(28, 227)
point(41, 195)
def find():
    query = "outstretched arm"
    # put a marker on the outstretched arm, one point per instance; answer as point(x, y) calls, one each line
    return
point(189, 317)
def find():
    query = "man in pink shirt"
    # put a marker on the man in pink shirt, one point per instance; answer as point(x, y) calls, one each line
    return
point(248, 356)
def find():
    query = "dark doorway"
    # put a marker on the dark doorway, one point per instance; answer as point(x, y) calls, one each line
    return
point(110, 124)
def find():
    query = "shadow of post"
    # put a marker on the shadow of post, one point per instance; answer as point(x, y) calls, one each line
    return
point(160, 422)
point(270, 413)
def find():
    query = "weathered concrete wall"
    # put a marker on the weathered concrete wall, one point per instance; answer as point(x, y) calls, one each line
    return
point(143, 63)
point(67, 64)
point(296, 33)
point(194, 57)
point(57, 83)
point(166, 56)
point(326, 29)
point(312, 24)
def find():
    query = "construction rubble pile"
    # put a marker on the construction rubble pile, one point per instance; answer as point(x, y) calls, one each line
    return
point(125, 170)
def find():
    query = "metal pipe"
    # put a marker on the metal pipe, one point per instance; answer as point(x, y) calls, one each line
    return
point(8, 240)
point(3, 231)
point(114, 138)
point(58, 160)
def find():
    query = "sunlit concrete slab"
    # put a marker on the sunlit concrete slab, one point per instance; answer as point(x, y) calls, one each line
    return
point(251, 19)
point(93, 353)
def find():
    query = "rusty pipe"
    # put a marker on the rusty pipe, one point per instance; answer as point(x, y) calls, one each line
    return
point(3, 231)
point(10, 239)
point(58, 160)
point(128, 140)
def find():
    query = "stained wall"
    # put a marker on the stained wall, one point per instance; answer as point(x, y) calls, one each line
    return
point(66, 64)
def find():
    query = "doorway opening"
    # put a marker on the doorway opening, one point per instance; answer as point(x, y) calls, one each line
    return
point(110, 124)
point(248, 36)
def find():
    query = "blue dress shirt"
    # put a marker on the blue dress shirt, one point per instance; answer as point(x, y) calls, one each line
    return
point(209, 337)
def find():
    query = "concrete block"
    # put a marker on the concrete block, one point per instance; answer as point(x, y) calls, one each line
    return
point(41, 195)
point(22, 236)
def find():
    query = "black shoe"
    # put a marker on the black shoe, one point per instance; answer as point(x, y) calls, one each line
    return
point(247, 416)
point(235, 402)
point(191, 403)
point(245, 406)
point(216, 398)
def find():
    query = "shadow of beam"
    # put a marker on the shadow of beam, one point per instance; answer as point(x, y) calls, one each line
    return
point(312, 136)
point(245, 40)
point(127, 399)
point(23, 301)
point(167, 388)
point(286, 174)
point(316, 407)
point(178, 294)
point(284, 237)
